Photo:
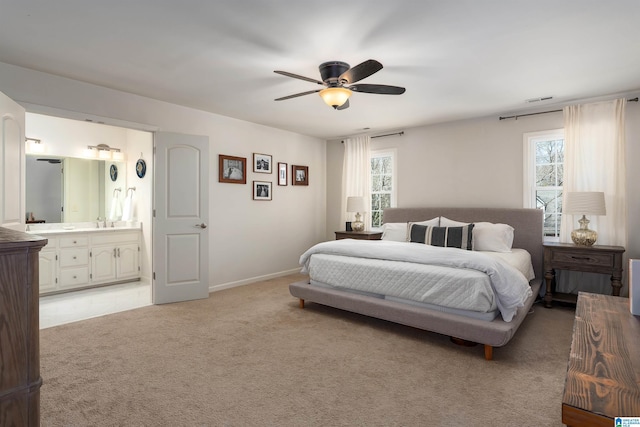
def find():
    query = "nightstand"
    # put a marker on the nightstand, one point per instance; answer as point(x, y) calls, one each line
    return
point(360, 235)
point(590, 259)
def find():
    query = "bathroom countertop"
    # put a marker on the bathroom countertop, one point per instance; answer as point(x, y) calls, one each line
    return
point(45, 229)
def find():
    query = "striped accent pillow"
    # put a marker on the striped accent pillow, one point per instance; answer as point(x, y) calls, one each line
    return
point(450, 237)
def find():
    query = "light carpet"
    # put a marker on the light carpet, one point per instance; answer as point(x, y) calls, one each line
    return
point(249, 356)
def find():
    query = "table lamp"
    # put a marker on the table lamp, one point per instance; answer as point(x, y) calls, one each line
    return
point(584, 203)
point(356, 204)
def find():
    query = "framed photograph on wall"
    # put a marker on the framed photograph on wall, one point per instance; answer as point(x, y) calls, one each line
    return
point(282, 173)
point(299, 175)
point(232, 169)
point(261, 190)
point(262, 163)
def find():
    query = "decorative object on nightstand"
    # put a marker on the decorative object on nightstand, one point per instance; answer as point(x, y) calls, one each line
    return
point(584, 203)
point(356, 204)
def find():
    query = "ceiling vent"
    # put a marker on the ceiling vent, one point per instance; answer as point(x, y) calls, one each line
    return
point(543, 98)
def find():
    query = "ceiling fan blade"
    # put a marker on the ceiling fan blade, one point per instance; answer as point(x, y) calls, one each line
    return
point(360, 71)
point(379, 89)
point(298, 94)
point(344, 106)
point(296, 76)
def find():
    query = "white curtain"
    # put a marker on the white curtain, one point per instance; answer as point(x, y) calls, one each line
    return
point(356, 176)
point(595, 161)
point(594, 136)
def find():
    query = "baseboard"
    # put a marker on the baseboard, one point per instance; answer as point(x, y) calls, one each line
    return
point(243, 282)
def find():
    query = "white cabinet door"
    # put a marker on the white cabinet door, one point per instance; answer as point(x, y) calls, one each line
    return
point(48, 269)
point(128, 261)
point(103, 264)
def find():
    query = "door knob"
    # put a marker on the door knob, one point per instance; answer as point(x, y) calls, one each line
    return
point(203, 225)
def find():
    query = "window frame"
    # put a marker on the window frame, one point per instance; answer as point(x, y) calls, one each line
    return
point(386, 152)
point(530, 139)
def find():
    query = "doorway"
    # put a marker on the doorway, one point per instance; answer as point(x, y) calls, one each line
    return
point(68, 140)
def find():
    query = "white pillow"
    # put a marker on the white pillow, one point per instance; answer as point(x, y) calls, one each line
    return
point(399, 231)
point(492, 237)
point(395, 231)
point(446, 222)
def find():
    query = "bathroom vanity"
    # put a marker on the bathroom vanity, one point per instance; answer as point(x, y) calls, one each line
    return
point(87, 255)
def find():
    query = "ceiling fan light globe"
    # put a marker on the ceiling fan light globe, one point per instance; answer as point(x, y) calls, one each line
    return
point(335, 96)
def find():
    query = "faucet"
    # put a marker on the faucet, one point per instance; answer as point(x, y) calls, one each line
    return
point(104, 222)
point(98, 222)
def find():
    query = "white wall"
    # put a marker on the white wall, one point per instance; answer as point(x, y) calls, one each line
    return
point(248, 239)
point(476, 163)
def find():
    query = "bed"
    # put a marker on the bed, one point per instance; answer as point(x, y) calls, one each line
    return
point(492, 329)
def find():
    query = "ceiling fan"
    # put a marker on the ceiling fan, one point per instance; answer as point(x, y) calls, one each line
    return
point(336, 75)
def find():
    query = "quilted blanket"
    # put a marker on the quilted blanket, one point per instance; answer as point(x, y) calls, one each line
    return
point(510, 286)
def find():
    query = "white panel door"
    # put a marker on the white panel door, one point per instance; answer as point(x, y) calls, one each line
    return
point(12, 162)
point(181, 212)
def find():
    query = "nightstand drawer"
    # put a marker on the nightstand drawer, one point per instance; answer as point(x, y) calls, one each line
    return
point(359, 235)
point(581, 258)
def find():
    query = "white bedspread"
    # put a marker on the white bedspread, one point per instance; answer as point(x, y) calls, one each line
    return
point(509, 284)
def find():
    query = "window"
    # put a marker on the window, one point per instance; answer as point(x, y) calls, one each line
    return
point(543, 167)
point(383, 184)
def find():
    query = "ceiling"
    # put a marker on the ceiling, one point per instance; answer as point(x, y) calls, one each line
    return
point(457, 59)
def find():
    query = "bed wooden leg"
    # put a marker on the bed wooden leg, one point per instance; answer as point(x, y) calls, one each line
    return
point(301, 303)
point(488, 352)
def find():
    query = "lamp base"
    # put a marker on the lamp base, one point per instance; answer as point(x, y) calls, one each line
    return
point(583, 236)
point(358, 225)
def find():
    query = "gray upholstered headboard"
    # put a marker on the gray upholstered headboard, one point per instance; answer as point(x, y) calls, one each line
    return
point(526, 222)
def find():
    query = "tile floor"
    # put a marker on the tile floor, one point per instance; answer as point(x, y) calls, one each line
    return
point(79, 305)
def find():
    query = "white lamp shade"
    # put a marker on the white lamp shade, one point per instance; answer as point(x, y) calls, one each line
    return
point(104, 154)
point(356, 204)
point(584, 203)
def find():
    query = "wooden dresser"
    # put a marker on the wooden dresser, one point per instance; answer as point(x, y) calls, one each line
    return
point(20, 379)
point(604, 363)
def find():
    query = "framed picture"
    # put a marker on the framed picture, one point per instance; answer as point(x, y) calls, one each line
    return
point(232, 169)
point(282, 173)
point(261, 190)
point(262, 163)
point(299, 175)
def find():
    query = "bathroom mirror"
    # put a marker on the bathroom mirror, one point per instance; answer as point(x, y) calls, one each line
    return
point(68, 189)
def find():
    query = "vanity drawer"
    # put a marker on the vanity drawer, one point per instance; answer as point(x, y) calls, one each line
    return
point(73, 242)
point(71, 277)
point(107, 238)
point(74, 257)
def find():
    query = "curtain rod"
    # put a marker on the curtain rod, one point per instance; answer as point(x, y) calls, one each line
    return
point(546, 112)
point(382, 136)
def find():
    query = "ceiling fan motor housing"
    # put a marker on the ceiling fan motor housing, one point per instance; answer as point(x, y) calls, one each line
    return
point(330, 71)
